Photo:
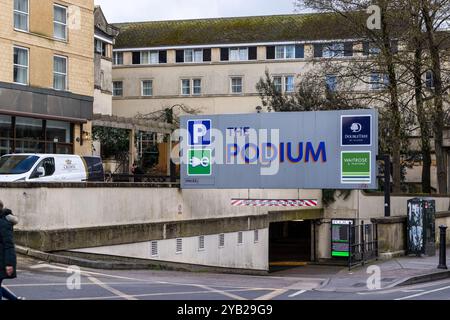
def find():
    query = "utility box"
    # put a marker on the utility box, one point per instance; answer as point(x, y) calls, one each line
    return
point(421, 227)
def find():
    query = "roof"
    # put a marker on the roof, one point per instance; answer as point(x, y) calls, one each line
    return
point(102, 27)
point(277, 28)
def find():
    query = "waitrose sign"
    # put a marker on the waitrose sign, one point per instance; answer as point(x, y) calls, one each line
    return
point(307, 150)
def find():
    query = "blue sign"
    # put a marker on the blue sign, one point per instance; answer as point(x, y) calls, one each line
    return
point(279, 150)
point(356, 130)
point(199, 132)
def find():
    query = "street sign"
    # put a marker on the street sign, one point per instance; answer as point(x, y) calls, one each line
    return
point(289, 150)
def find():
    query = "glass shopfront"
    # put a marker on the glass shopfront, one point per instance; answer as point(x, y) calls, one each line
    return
point(29, 135)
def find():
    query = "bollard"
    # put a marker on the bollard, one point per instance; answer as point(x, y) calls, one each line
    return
point(442, 248)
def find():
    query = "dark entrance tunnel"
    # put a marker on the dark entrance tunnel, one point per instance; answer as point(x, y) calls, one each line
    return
point(290, 241)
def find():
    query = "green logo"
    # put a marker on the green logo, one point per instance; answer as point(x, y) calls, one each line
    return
point(356, 167)
point(199, 162)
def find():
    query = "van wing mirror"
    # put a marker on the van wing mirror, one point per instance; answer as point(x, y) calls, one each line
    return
point(40, 172)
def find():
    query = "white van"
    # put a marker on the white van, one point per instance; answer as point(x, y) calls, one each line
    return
point(50, 168)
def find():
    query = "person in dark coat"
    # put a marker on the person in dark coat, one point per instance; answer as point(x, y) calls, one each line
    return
point(8, 260)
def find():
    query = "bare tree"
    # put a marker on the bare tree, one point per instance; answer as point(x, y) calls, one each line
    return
point(435, 14)
point(353, 14)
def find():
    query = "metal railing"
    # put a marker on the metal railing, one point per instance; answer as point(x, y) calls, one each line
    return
point(138, 178)
point(363, 244)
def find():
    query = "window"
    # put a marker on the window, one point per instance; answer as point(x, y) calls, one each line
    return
point(370, 49)
point(101, 47)
point(117, 88)
point(333, 50)
point(21, 15)
point(147, 88)
point(149, 57)
point(284, 84)
point(331, 83)
point(238, 54)
point(256, 236)
point(193, 55)
point(289, 84)
point(59, 73)
point(236, 85)
point(17, 164)
point(118, 58)
point(186, 87)
point(240, 238)
point(201, 243)
point(285, 52)
point(154, 248)
point(379, 81)
point(30, 135)
point(20, 65)
point(60, 22)
point(429, 79)
point(191, 87)
point(58, 131)
point(197, 87)
point(221, 240)
point(179, 245)
point(373, 50)
point(278, 83)
point(45, 168)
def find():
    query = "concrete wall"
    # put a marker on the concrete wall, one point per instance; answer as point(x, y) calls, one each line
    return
point(80, 207)
point(102, 102)
point(103, 85)
point(392, 233)
point(364, 206)
point(248, 255)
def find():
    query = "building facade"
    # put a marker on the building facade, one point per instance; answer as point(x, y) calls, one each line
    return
point(213, 65)
point(46, 76)
point(103, 44)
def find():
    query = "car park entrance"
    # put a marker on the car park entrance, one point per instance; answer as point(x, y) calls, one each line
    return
point(290, 243)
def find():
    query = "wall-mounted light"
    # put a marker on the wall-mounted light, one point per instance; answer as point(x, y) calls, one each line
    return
point(84, 135)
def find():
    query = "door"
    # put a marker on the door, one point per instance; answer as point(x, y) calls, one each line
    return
point(44, 171)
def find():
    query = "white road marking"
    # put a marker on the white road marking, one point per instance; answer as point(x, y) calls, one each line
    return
point(297, 293)
point(407, 291)
point(158, 294)
point(83, 272)
point(272, 294)
point(111, 289)
point(229, 295)
point(423, 293)
point(399, 289)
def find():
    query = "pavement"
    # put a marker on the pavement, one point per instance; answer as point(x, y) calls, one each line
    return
point(43, 280)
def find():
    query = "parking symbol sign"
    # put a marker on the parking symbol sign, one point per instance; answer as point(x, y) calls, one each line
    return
point(199, 133)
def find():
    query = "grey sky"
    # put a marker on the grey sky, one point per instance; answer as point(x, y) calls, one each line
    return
point(143, 10)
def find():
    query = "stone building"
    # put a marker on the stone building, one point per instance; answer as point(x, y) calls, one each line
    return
point(46, 76)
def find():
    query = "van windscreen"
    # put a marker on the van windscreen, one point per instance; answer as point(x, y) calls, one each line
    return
point(17, 164)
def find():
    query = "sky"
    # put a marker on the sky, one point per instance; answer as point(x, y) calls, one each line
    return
point(147, 10)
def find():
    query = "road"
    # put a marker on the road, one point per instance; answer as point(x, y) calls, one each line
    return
point(42, 281)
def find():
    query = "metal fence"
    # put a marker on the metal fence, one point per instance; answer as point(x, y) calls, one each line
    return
point(138, 178)
point(363, 244)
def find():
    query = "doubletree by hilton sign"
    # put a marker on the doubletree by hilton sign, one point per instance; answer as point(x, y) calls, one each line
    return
point(307, 150)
